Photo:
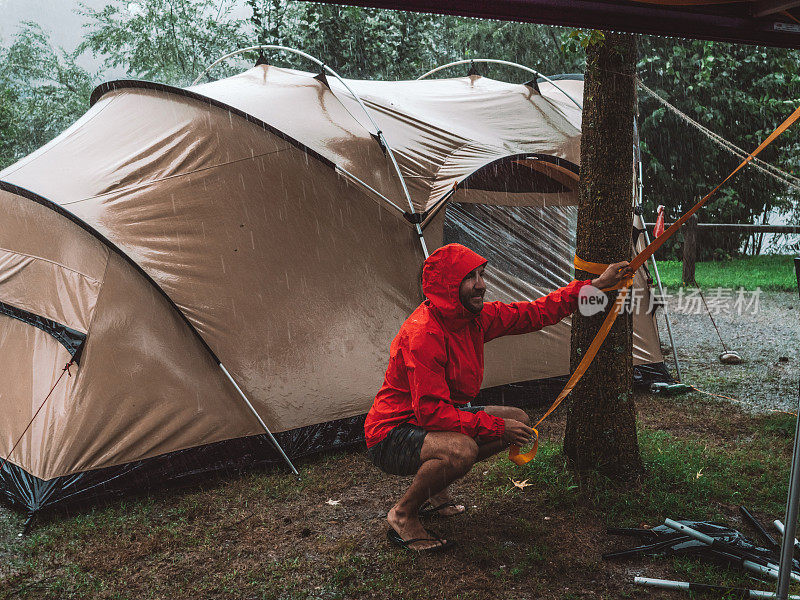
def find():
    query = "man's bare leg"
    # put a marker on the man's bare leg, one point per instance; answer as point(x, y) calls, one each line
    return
point(446, 456)
point(484, 451)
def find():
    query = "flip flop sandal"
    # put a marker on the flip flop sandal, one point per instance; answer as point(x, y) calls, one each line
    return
point(396, 539)
point(428, 509)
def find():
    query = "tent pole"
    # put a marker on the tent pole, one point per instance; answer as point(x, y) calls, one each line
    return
point(508, 64)
point(405, 191)
point(378, 133)
point(792, 498)
point(666, 312)
point(653, 258)
point(260, 420)
point(792, 502)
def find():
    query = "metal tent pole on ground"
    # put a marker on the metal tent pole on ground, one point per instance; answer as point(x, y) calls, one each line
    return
point(793, 497)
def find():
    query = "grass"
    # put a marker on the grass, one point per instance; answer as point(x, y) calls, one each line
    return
point(687, 477)
point(267, 535)
point(769, 272)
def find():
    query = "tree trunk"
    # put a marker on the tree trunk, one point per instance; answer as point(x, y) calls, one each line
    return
point(601, 422)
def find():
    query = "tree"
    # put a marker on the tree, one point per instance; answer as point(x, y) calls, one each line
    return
point(367, 43)
point(601, 423)
point(42, 92)
point(384, 44)
point(9, 133)
point(271, 20)
point(171, 41)
point(740, 92)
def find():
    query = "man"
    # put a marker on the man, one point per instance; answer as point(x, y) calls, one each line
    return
point(419, 424)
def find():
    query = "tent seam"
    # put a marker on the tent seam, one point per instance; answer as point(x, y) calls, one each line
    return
point(60, 210)
point(47, 260)
point(107, 87)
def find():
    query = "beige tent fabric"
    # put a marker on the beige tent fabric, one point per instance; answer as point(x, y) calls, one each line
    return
point(144, 384)
point(441, 130)
point(557, 92)
point(295, 276)
point(55, 276)
point(444, 129)
point(297, 104)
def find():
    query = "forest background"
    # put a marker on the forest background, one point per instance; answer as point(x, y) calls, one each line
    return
point(740, 92)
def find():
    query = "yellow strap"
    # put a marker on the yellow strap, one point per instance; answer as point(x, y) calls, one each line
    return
point(589, 267)
point(513, 453)
point(597, 269)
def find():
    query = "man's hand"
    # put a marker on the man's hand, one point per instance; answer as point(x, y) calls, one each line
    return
point(613, 275)
point(517, 433)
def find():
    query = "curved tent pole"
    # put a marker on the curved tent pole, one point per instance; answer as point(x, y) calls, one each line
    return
point(378, 133)
point(499, 62)
point(508, 64)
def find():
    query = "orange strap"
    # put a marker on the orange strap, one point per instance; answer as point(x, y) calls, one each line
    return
point(597, 269)
point(514, 453)
point(790, 15)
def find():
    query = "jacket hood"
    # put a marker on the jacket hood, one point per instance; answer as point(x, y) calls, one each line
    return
point(442, 275)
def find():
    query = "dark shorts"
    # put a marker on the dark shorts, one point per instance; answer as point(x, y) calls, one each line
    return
point(399, 452)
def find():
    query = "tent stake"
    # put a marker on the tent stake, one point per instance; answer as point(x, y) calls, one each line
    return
point(260, 420)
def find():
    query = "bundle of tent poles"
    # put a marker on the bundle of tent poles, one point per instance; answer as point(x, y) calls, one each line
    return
point(717, 549)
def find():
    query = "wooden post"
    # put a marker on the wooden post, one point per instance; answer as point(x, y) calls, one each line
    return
point(689, 249)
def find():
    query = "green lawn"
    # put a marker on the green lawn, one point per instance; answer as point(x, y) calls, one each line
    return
point(769, 272)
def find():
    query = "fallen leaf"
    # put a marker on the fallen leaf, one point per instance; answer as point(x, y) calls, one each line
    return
point(333, 502)
point(699, 473)
point(520, 484)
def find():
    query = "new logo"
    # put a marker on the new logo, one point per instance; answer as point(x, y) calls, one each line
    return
point(591, 300)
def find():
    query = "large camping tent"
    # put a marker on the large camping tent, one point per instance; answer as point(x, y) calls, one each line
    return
point(257, 222)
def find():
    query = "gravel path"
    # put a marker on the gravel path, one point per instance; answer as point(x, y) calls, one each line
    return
point(765, 335)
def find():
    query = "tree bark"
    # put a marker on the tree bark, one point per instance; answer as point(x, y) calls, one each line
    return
point(601, 422)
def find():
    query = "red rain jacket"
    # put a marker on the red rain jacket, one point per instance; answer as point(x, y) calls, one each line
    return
point(436, 360)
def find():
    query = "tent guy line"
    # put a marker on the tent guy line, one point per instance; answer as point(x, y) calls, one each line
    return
point(765, 167)
point(66, 369)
